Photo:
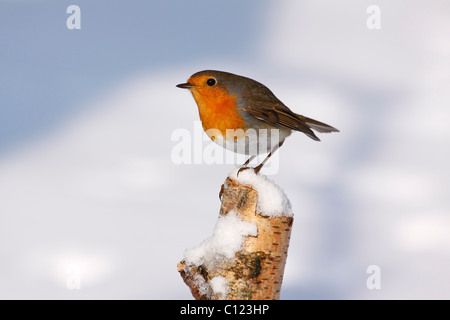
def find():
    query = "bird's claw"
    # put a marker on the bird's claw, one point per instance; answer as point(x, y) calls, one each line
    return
point(221, 192)
point(256, 169)
point(242, 169)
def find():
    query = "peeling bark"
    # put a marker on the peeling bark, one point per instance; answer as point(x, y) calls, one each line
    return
point(256, 272)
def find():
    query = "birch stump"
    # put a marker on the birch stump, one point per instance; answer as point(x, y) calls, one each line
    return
point(256, 270)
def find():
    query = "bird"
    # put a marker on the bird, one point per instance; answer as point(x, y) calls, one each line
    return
point(244, 116)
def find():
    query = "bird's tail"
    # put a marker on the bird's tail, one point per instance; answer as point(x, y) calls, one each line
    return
point(317, 125)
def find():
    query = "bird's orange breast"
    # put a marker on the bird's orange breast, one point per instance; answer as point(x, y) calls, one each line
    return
point(218, 110)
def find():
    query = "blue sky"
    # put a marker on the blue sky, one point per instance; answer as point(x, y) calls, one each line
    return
point(49, 71)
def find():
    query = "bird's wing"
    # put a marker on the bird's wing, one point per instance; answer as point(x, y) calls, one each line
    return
point(278, 114)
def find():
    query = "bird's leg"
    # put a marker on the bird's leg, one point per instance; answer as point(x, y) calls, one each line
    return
point(256, 169)
point(244, 166)
point(248, 161)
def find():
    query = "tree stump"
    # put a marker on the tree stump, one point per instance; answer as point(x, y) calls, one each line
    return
point(255, 271)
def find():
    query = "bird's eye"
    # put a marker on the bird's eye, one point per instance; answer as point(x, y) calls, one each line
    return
point(211, 81)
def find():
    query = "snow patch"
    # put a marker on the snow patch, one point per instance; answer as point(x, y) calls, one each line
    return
point(220, 286)
point(272, 201)
point(202, 286)
point(227, 239)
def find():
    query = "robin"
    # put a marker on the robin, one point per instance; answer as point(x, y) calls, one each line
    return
point(244, 116)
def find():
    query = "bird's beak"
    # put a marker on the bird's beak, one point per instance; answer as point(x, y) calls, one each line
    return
point(186, 85)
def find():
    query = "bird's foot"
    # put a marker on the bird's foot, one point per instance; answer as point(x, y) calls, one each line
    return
point(256, 169)
point(242, 169)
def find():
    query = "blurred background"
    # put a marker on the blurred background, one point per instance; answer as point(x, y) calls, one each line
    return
point(92, 205)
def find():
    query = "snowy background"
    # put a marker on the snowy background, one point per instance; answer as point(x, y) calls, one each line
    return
point(88, 189)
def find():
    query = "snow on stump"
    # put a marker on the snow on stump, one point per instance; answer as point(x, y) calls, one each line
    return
point(244, 259)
